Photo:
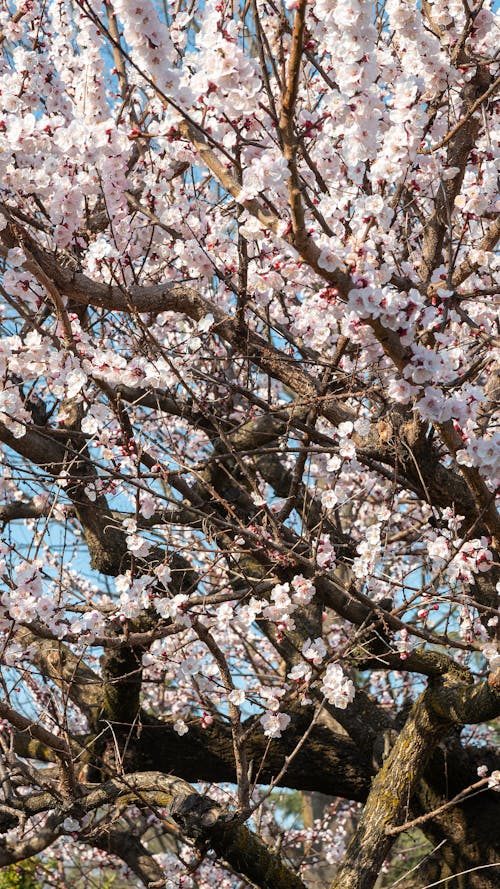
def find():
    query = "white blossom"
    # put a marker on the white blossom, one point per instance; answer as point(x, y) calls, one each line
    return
point(336, 687)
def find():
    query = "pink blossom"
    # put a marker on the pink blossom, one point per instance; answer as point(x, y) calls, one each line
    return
point(180, 727)
point(336, 687)
point(274, 724)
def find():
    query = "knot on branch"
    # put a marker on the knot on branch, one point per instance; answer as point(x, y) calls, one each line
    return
point(195, 814)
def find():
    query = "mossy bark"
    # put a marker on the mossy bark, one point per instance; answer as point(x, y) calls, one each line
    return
point(442, 706)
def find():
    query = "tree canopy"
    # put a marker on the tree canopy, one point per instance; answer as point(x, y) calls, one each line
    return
point(249, 435)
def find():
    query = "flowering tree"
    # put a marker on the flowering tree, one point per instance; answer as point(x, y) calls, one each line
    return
point(249, 369)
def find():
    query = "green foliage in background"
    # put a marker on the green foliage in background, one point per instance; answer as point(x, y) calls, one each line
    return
point(20, 876)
